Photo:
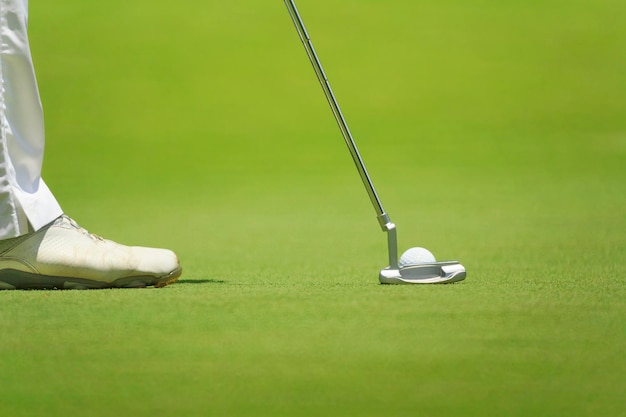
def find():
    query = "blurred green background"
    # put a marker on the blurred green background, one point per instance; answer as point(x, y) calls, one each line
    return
point(495, 133)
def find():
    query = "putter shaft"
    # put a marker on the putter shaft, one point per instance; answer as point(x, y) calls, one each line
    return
point(382, 216)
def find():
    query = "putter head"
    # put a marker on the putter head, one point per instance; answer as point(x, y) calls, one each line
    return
point(445, 272)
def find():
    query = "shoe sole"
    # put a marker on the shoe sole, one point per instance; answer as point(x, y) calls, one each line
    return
point(11, 279)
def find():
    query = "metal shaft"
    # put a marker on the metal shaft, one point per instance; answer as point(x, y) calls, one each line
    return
point(383, 218)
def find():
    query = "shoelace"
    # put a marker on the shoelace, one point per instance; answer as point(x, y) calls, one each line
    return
point(72, 223)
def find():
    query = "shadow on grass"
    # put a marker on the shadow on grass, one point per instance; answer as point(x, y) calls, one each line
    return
point(200, 281)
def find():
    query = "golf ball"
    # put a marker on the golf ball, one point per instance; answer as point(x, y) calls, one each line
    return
point(416, 256)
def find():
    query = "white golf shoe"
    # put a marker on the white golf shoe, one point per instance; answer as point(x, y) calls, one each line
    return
point(63, 255)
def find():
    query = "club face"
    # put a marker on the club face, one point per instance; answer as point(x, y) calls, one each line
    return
point(445, 272)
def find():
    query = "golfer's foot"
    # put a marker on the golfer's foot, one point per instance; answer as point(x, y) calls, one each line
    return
point(64, 255)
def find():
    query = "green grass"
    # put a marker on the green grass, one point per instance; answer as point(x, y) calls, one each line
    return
point(494, 131)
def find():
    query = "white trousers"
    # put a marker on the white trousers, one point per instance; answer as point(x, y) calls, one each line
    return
point(24, 198)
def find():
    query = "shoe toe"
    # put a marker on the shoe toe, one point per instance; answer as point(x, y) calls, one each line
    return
point(156, 262)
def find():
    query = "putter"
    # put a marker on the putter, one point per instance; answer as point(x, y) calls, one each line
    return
point(426, 273)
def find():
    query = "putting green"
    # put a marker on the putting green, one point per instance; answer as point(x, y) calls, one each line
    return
point(494, 132)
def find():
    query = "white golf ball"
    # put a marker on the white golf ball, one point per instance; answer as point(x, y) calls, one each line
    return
point(416, 256)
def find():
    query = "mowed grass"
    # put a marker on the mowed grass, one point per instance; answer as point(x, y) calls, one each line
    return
point(495, 133)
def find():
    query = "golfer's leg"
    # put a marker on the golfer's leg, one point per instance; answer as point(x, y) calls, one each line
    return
point(24, 197)
point(40, 247)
